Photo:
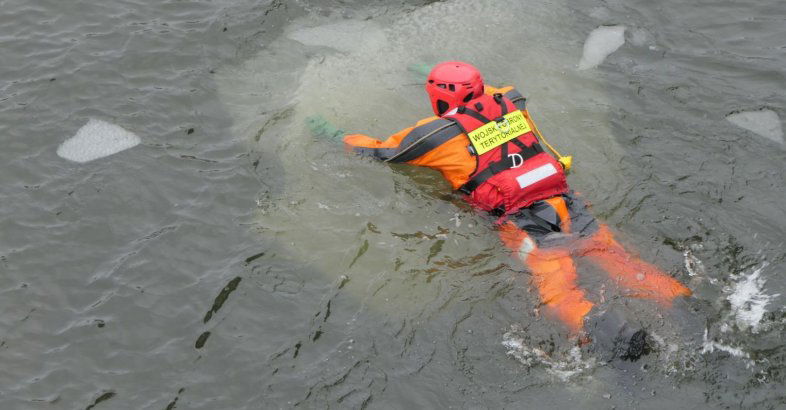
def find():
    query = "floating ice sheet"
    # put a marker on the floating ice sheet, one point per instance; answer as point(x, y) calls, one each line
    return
point(97, 139)
point(763, 122)
point(600, 43)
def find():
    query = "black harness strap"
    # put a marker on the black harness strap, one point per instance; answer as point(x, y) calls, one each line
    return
point(502, 105)
point(474, 114)
point(507, 162)
point(528, 152)
point(483, 176)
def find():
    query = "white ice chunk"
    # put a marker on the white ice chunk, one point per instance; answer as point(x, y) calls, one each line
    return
point(763, 122)
point(600, 43)
point(748, 300)
point(347, 36)
point(97, 139)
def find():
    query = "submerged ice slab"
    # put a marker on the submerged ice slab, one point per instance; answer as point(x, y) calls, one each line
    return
point(600, 43)
point(765, 123)
point(97, 139)
point(348, 36)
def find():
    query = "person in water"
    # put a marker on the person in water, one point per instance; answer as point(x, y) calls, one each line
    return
point(485, 144)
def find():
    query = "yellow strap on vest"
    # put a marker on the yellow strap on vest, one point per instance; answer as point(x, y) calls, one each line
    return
point(566, 161)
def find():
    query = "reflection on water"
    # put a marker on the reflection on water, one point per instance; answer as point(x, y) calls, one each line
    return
point(231, 261)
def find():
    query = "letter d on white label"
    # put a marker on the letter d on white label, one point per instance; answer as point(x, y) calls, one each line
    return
point(518, 160)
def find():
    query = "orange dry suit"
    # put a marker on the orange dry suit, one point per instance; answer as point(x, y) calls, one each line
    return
point(488, 152)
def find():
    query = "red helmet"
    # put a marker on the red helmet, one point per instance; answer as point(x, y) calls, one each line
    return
point(452, 84)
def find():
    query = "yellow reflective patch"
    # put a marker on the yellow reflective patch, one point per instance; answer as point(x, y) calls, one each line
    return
point(493, 134)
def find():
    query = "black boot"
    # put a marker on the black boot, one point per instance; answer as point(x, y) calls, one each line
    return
point(616, 336)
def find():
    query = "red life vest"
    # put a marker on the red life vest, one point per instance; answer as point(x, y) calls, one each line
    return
point(512, 175)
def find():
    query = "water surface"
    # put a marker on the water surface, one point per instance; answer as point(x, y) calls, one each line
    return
point(232, 261)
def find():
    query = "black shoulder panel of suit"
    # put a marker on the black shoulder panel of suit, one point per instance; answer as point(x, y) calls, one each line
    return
point(423, 139)
point(382, 154)
point(517, 99)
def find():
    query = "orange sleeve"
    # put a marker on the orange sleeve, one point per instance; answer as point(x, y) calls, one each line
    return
point(371, 146)
point(448, 155)
point(365, 141)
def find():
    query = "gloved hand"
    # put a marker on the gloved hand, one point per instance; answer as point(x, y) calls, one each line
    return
point(319, 127)
point(421, 69)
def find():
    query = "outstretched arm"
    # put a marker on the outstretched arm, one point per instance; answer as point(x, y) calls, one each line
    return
point(375, 148)
point(408, 145)
point(403, 146)
point(372, 147)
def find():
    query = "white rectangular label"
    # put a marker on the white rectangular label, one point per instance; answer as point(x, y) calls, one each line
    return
point(538, 174)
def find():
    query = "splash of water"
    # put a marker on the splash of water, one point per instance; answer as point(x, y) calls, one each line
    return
point(748, 299)
point(710, 346)
point(569, 365)
point(693, 265)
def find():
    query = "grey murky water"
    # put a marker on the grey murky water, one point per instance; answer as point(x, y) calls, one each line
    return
point(231, 261)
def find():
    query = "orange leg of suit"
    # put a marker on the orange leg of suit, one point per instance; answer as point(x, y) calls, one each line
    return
point(643, 279)
point(554, 273)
